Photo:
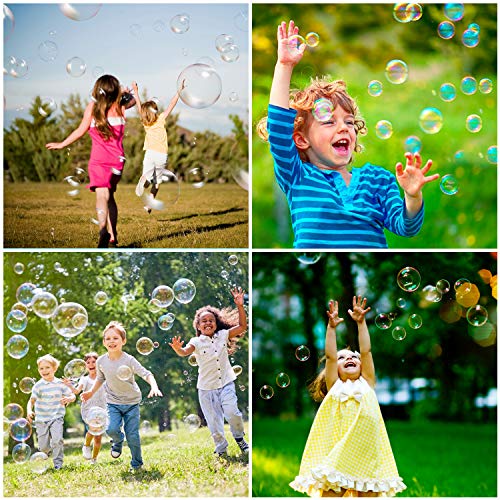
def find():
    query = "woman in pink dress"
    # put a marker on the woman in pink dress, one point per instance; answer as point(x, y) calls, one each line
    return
point(105, 121)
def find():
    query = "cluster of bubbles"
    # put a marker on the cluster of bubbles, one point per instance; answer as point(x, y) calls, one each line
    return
point(19, 429)
point(407, 12)
point(227, 48)
point(295, 42)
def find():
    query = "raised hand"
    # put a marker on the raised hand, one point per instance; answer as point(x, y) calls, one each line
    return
point(290, 50)
point(155, 392)
point(412, 178)
point(238, 295)
point(359, 309)
point(176, 343)
point(333, 314)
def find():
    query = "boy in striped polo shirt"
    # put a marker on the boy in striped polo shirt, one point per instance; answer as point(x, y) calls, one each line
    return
point(47, 406)
point(330, 206)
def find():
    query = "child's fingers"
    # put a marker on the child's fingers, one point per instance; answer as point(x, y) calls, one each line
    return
point(418, 160)
point(399, 169)
point(427, 167)
point(431, 178)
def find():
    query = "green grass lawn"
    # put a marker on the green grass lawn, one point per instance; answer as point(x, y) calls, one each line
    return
point(177, 464)
point(433, 458)
point(42, 215)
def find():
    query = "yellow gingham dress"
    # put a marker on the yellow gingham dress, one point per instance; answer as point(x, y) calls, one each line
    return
point(348, 446)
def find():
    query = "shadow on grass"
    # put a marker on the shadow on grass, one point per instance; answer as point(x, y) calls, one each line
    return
point(142, 475)
point(192, 216)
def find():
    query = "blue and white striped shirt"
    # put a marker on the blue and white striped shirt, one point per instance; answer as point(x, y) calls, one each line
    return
point(47, 397)
point(325, 212)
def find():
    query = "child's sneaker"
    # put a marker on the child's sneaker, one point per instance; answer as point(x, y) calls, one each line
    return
point(115, 453)
point(139, 189)
point(93, 461)
point(243, 445)
point(87, 452)
point(148, 210)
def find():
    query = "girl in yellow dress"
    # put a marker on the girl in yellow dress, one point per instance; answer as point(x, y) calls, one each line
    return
point(348, 451)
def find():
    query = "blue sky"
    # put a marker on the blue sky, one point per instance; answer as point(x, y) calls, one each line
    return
point(132, 42)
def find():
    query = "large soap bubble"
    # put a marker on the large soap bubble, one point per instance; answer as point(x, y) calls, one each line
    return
point(12, 412)
point(20, 430)
point(75, 368)
point(124, 372)
point(21, 453)
point(202, 86)
point(39, 462)
point(184, 290)
point(25, 293)
point(26, 385)
point(408, 279)
point(396, 71)
point(163, 294)
point(431, 120)
point(8, 23)
point(192, 422)
point(70, 319)
point(17, 346)
point(144, 346)
point(16, 321)
point(97, 420)
point(80, 11)
point(44, 304)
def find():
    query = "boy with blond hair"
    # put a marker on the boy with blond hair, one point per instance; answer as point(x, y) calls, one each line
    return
point(47, 406)
point(122, 396)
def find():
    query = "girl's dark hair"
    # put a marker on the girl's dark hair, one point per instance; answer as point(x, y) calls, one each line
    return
point(224, 318)
point(90, 355)
point(105, 94)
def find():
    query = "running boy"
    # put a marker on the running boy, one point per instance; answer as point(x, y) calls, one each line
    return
point(331, 206)
point(122, 396)
point(47, 406)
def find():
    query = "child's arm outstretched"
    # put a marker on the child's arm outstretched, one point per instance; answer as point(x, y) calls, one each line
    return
point(30, 413)
point(174, 100)
point(135, 88)
point(331, 368)
point(77, 133)
point(176, 345)
point(358, 313)
point(412, 179)
point(289, 54)
point(85, 396)
point(154, 387)
point(239, 297)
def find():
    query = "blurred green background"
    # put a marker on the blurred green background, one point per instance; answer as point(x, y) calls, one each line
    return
point(356, 42)
point(437, 387)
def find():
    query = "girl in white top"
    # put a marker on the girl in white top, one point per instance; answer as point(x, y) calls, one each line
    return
point(155, 143)
point(85, 384)
point(216, 390)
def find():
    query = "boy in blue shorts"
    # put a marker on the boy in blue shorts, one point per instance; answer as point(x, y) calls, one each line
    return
point(330, 206)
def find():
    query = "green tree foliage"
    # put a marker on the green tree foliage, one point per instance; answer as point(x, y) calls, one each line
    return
point(289, 304)
point(128, 280)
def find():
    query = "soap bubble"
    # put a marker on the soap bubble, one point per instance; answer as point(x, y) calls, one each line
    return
point(233, 96)
point(184, 290)
point(69, 319)
point(146, 427)
point(21, 453)
point(192, 422)
point(302, 353)
point(192, 360)
point(474, 123)
point(97, 420)
point(322, 109)
point(163, 294)
point(25, 293)
point(180, 23)
point(446, 30)
point(20, 430)
point(124, 372)
point(232, 260)
point(75, 368)
point(26, 385)
point(416, 11)
point(237, 369)
point(164, 322)
point(241, 178)
point(44, 304)
point(80, 11)
point(413, 144)
point(477, 315)
point(222, 41)
point(100, 298)
point(12, 412)
point(39, 462)
point(17, 346)
point(408, 279)
point(431, 293)
point(454, 11)
point(224, 274)
point(76, 67)
point(241, 21)
point(375, 88)
point(399, 333)
point(448, 185)
point(431, 120)
point(383, 321)
point(468, 85)
point(230, 53)
point(492, 154)
point(282, 380)
point(16, 321)
point(154, 306)
point(396, 71)
point(266, 392)
point(19, 268)
point(443, 286)
point(308, 258)
point(470, 38)
point(19, 306)
point(159, 25)
point(312, 39)
point(415, 321)
point(144, 346)
point(447, 92)
point(47, 51)
point(196, 176)
point(8, 23)
point(463, 286)
point(401, 13)
point(294, 43)
point(203, 86)
point(474, 27)
point(383, 129)
point(485, 86)
point(401, 303)
point(16, 67)
point(169, 193)
point(47, 106)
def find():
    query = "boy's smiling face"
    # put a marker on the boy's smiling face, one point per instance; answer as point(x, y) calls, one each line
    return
point(113, 341)
point(46, 370)
point(330, 144)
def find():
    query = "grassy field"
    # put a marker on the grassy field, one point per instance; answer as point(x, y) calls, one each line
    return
point(175, 465)
point(433, 458)
point(42, 215)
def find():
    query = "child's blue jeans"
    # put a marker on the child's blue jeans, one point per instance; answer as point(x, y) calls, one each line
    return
point(129, 415)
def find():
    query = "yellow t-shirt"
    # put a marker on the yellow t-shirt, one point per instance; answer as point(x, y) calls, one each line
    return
point(156, 136)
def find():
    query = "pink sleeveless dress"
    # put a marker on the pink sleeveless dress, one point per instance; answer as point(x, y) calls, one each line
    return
point(106, 157)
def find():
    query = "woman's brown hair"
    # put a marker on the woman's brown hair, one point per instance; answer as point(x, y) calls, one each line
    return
point(105, 94)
